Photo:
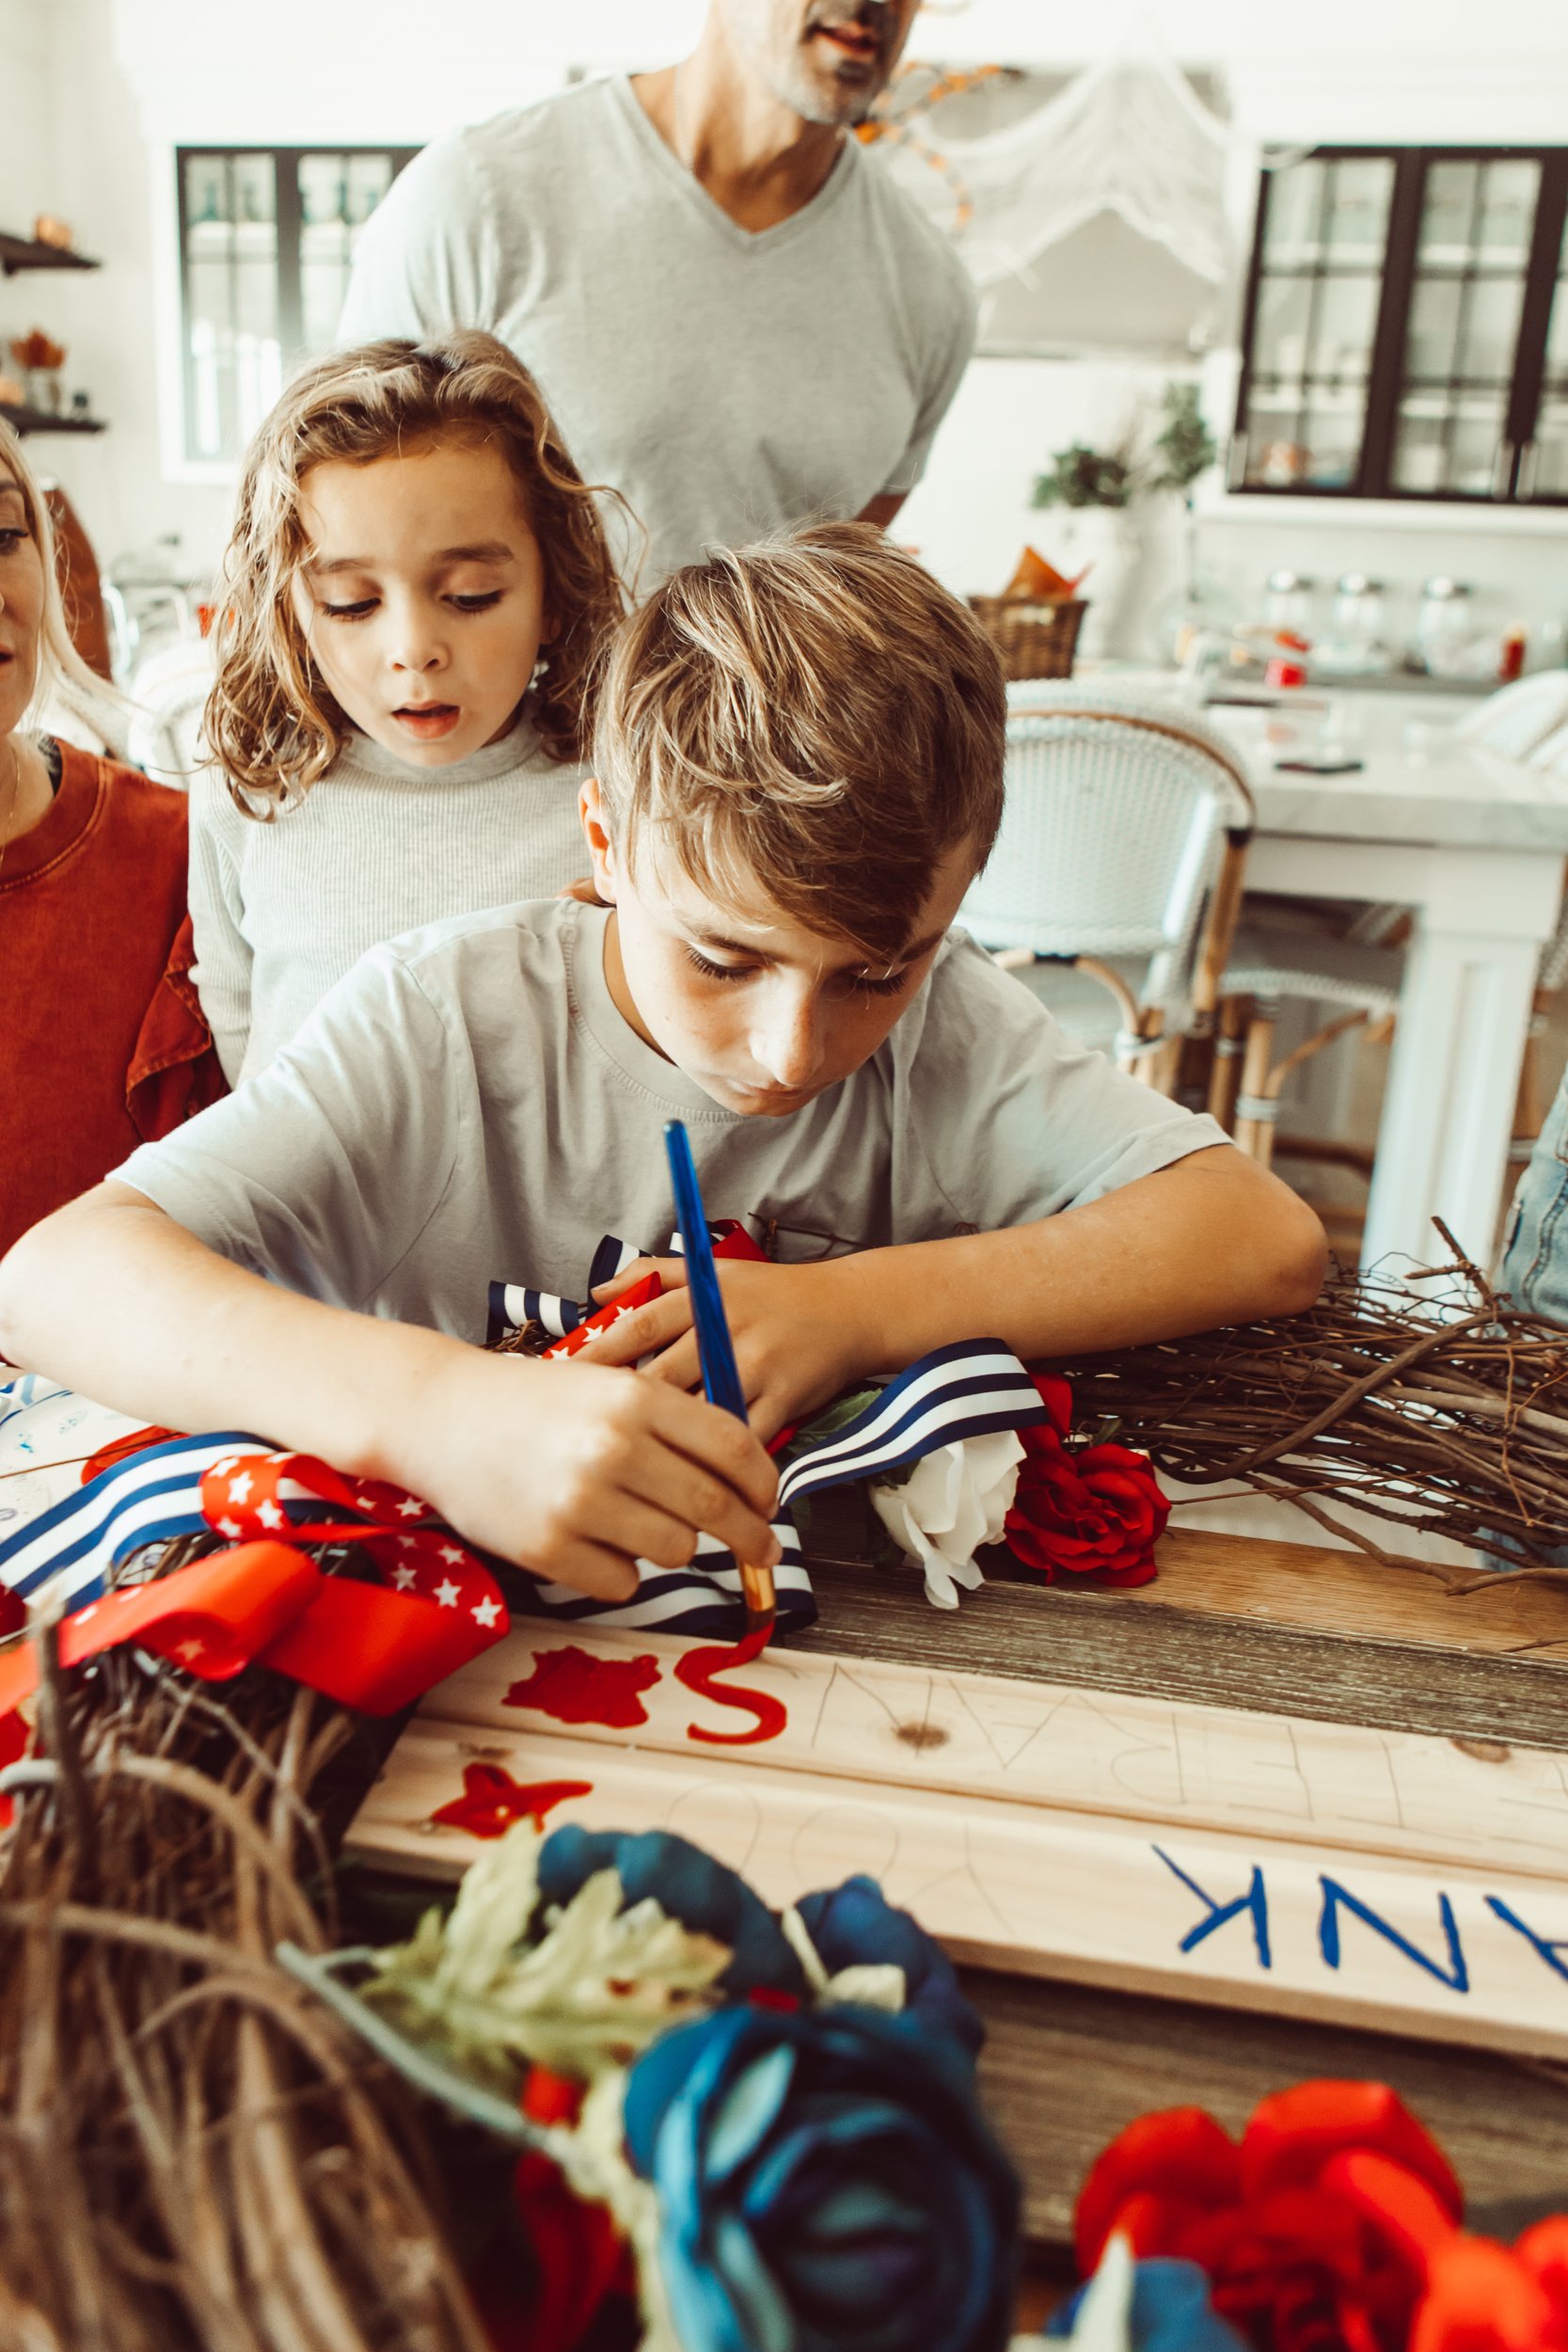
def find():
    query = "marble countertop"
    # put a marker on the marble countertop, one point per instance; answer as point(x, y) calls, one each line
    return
point(1417, 785)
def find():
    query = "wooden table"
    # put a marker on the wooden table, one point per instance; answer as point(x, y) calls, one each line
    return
point(1233, 1621)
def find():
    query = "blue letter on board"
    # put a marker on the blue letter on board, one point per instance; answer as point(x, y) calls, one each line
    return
point(1456, 1975)
point(1549, 1946)
point(1255, 1899)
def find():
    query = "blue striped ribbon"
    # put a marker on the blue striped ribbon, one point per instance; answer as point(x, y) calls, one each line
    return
point(966, 1390)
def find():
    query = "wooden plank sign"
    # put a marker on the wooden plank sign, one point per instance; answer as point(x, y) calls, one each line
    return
point(1399, 1880)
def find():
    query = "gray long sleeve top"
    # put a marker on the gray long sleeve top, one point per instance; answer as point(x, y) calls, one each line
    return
point(282, 911)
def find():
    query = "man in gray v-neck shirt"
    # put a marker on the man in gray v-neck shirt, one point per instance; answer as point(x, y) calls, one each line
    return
point(738, 320)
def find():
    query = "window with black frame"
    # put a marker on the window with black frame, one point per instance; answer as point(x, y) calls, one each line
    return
point(266, 242)
point(1406, 328)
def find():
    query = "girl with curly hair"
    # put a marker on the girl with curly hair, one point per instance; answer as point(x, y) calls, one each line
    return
point(411, 603)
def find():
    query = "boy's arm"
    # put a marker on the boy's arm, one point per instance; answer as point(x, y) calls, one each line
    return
point(572, 1473)
point(1212, 1239)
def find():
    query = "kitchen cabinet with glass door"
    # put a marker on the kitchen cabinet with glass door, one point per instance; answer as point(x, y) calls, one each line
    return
point(1406, 327)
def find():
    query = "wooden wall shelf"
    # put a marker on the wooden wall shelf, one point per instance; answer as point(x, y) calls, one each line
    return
point(47, 420)
point(17, 253)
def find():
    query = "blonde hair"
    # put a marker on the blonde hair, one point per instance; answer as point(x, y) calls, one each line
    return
point(63, 677)
point(814, 715)
point(270, 720)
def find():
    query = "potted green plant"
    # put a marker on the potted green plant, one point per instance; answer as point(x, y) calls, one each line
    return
point(1093, 490)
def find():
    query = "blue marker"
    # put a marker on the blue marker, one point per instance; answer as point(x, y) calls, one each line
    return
point(715, 1348)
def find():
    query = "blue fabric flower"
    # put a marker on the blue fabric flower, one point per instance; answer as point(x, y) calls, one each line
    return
point(854, 1924)
point(703, 1895)
point(825, 2180)
point(1171, 2311)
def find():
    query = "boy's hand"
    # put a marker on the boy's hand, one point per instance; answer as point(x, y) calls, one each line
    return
point(577, 1477)
point(796, 1337)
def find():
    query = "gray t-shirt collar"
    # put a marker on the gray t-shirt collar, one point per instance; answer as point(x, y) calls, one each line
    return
point(697, 199)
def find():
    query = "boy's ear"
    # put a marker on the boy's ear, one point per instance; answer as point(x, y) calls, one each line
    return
point(601, 848)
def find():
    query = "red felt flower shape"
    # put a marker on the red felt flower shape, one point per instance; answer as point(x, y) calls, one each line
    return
point(1097, 1511)
point(576, 1687)
point(1318, 2234)
point(492, 1801)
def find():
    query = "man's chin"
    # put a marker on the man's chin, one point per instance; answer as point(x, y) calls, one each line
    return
point(832, 104)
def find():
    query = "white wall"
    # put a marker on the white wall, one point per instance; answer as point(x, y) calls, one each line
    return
point(109, 85)
point(25, 150)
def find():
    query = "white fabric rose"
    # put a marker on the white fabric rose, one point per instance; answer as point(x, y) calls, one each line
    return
point(952, 1502)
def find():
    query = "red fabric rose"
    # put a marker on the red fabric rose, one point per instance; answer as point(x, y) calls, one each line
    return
point(1486, 2297)
point(1093, 1511)
point(580, 2261)
point(1316, 2233)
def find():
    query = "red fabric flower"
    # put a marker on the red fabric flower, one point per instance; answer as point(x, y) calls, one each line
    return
point(1486, 2297)
point(1317, 2233)
point(1093, 1511)
point(580, 2259)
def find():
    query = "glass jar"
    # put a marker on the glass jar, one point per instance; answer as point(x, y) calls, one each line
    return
point(1288, 604)
point(1443, 627)
point(1355, 644)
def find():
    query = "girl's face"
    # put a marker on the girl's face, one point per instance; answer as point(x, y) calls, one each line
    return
point(21, 603)
point(422, 597)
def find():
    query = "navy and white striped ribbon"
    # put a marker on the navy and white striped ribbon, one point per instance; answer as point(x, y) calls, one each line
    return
point(705, 1598)
point(963, 1390)
point(512, 1305)
point(146, 1499)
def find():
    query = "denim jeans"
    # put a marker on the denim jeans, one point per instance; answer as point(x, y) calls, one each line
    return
point(1534, 1266)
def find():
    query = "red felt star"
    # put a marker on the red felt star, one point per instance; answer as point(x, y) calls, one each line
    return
point(492, 1801)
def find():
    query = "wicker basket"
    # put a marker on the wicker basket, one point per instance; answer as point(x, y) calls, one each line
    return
point(1034, 640)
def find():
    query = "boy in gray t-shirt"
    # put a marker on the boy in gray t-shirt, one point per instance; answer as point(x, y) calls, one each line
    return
point(799, 766)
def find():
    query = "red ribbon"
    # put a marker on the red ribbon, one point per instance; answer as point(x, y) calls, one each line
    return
point(588, 1331)
point(262, 1601)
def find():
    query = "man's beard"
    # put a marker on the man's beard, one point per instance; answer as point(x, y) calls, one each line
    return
point(813, 89)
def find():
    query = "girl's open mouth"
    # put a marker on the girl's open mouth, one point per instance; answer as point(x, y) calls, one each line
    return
point(428, 721)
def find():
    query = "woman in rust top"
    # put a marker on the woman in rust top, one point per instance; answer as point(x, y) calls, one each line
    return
point(102, 1042)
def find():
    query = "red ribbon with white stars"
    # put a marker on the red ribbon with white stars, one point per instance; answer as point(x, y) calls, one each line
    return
point(262, 1601)
point(596, 1326)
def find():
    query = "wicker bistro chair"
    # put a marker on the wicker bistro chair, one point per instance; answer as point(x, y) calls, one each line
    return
point(1265, 967)
point(1121, 856)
